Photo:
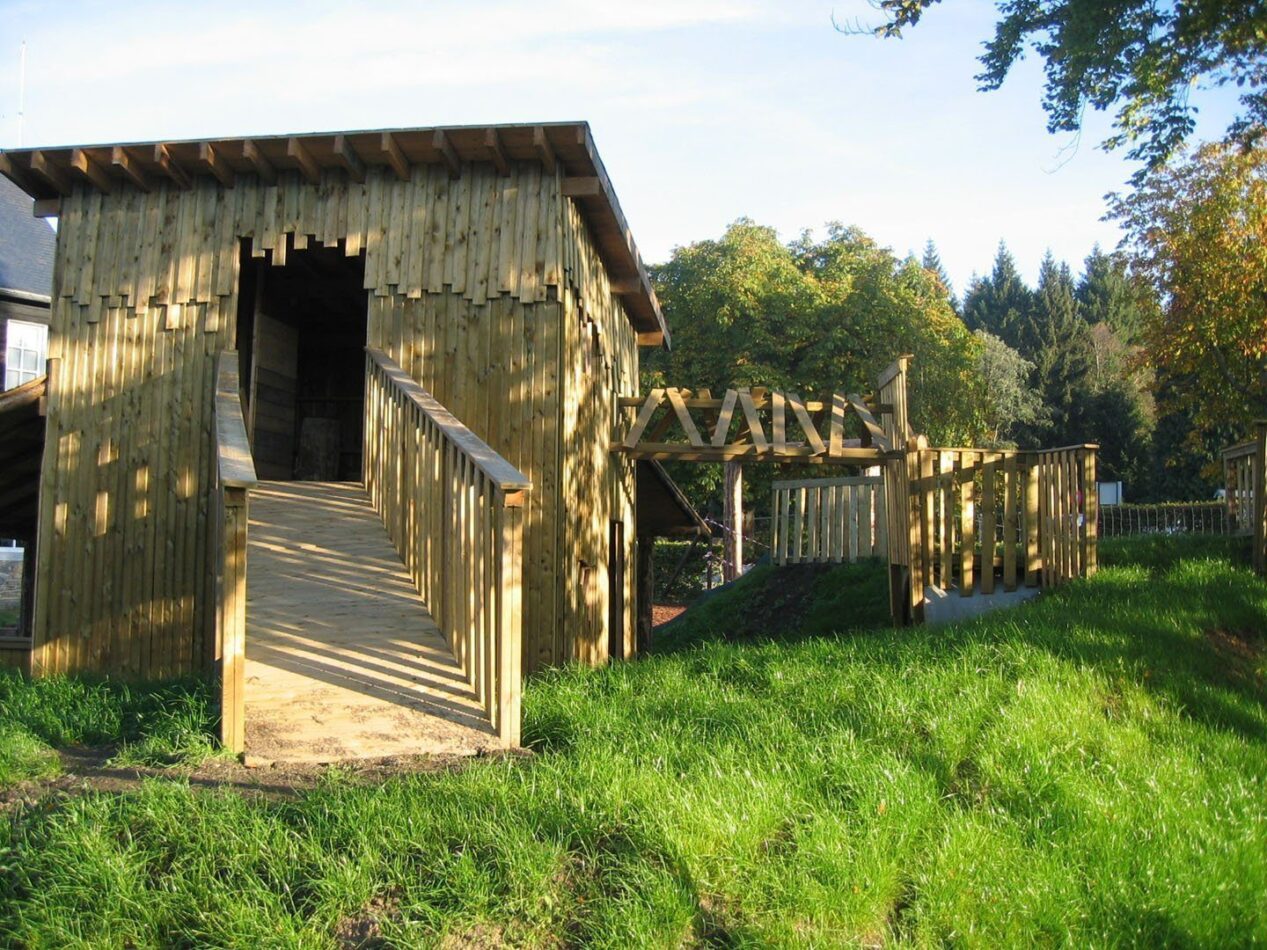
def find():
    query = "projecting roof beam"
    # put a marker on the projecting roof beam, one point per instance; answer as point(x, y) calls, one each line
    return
point(47, 208)
point(164, 160)
point(586, 186)
point(259, 162)
point(303, 158)
point(394, 156)
point(347, 157)
point(624, 286)
point(212, 161)
point(20, 176)
point(43, 166)
point(496, 154)
point(121, 159)
point(545, 151)
point(445, 148)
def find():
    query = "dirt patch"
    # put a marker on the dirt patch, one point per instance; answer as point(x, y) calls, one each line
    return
point(90, 769)
point(663, 613)
point(479, 937)
point(364, 930)
point(1242, 650)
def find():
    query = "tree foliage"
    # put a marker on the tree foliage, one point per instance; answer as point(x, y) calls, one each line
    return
point(1142, 56)
point(1010, 404)
point(1197, 228)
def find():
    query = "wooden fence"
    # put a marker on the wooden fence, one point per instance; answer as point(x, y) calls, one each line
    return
point(829, 520)
point(1245, 477)
point(453, 507)
point(233, 476)
point(1180, 517)
point(976, 519)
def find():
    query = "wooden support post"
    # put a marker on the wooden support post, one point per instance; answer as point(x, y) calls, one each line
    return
point(732, 565)
point(644, 595)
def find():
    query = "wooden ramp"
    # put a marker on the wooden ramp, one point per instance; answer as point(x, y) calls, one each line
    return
point(342, 658)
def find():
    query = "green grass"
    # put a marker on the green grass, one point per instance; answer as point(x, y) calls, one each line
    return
point(9, 616)
point(149, 724)
point(1088, 769)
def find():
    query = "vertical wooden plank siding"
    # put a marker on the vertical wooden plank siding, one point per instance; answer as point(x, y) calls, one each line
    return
point(488, 289)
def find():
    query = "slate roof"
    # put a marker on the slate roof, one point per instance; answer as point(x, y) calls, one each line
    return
point(26, 244)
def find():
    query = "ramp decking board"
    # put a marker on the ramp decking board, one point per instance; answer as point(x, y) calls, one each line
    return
point(343, 659)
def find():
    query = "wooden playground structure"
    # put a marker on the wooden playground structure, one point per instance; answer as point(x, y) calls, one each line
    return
point(438, 327)
point(963, 519)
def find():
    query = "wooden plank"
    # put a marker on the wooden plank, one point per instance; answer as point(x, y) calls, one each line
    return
point(1033, 557)
point(989, 472)
point(1011, 538)
point(778, 420)
point(807, 424)
point(967, 522)
point(684, 418)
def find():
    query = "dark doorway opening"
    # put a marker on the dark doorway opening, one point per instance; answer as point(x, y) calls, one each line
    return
point(302, 336)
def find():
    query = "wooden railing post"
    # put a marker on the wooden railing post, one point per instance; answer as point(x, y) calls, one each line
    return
point(234, 476)
point(510, 617)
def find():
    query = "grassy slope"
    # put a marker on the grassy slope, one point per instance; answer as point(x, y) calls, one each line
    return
point(1089, 768)
point(150, 724)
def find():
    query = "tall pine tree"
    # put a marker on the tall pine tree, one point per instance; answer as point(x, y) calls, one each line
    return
point(1000, 303)
point(1107, 295)
point(1057, 341)
point(932, 263)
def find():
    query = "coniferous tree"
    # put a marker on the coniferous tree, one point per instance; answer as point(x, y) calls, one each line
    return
point(932, 263)
point(1108, 296)
point(1000, 303)
point(1057, 341)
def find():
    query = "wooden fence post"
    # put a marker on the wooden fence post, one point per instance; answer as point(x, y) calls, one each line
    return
point(732, 564)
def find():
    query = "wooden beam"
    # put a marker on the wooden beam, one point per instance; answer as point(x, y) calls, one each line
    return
point(545, 151)
point(212, 161)
point(583, 186)
point(395, 157)
point(651, 338)
point(496, 154)
point(800, 454)
point(303, 158)
point(44, 166)
point(624, 286)
point(264, 169)
point(19, 176)
point(164, 160)
point(348, 158)
point(122, 159)
point(88, 169)
point(445, 148)
point(47, 207)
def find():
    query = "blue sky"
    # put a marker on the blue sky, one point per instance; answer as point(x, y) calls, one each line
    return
point(703, 110)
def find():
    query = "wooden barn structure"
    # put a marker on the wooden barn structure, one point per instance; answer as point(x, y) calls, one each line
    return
point(447, 316)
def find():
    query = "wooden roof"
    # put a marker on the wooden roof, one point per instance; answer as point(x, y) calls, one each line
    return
point(46, 174)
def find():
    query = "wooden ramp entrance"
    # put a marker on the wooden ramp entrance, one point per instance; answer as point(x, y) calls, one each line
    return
point(343, 660)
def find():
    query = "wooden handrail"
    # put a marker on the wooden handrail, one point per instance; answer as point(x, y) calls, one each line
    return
point(504, 475)
point(453, 508)
point(234, 477)
point(234, 463)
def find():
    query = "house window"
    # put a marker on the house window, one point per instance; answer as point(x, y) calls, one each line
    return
point(25, 352)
